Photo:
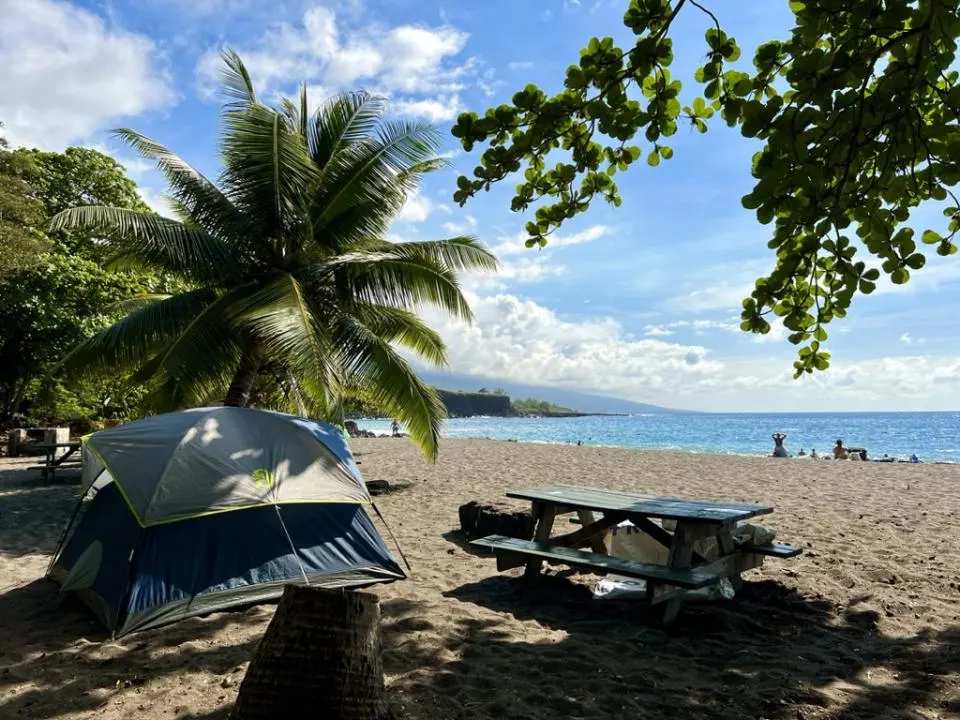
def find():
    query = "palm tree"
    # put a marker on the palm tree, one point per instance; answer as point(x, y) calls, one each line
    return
point(292, 282)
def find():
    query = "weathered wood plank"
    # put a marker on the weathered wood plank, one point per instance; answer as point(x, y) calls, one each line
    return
point(598, 540)
point(643, 505)
point(681, 554)
point(774, 549)
point(683, 577)
point(588, 533)
point(545, 515)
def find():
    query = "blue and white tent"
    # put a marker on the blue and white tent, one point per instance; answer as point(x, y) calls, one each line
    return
point(202, 510)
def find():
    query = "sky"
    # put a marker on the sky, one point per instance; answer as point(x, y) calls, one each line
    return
point(639, 302)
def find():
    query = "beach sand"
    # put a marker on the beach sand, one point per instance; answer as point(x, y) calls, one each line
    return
point(865, 624)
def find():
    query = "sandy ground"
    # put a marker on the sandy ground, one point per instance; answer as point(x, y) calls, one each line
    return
point(865, 624)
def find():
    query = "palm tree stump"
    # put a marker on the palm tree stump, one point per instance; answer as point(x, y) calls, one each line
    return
point(319, 658)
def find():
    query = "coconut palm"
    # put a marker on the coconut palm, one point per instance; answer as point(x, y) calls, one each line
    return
point(292, 280)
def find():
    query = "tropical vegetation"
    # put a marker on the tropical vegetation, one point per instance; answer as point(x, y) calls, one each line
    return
point(55, 289)
point(292, 296)
point(857, 111)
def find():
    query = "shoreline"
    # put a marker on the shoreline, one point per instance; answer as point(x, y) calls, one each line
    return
point(713, 452)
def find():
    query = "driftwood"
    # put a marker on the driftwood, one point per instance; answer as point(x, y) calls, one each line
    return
point(321, 657)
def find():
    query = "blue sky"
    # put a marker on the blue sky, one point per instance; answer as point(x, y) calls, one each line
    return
point(639, 302)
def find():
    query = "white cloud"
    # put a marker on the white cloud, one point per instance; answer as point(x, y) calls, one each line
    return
point(406, 62)
point(906, 339)
point(518, 339)
point(158, 201)
point(67, 75)
point(657, 331)
point(417, 208)
point(698, 326)
point(439, 109)
point(521, 340)
point(516, 244)
point(461, 228)
point(524, 65)
point(723, 297)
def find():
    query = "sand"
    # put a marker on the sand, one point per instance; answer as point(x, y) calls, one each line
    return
point(865, 624)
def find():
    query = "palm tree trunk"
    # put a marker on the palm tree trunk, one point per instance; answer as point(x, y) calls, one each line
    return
point(320, 657)
point(238, 395)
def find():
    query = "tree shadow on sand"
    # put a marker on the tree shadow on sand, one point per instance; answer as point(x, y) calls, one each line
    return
point(64, 658)
point(772, 654)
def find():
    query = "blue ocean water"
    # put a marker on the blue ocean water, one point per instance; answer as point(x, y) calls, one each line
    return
point(932, 436)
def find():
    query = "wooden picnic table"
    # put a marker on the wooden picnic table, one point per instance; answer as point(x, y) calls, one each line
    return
point(53, 461)
point(600, 510)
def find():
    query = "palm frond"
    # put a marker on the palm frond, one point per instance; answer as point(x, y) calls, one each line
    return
point(195, 195)
point(389, 382)
point(461, 254)
point(407, 275)
point(341, 121)
point(195, 362)
point(128, 305)
point(267, 168)
point(375, 170)
point(279, 315)
point(237, 85)
point(402, 327)
point(149, 240)
point(131, 341)
point(422, 168)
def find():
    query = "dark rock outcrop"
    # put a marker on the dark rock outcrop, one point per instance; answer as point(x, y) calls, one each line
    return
point(464, 404)
point(482, 519)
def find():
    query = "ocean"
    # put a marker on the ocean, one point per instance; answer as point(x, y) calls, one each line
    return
point(932, 436)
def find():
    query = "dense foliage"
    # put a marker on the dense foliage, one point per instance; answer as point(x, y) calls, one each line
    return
point(58, 292)
point(857, 110)
point(296, 298)
point(21, 212)
point(532, 406)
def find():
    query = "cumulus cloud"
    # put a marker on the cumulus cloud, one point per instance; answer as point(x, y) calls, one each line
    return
point(657, 331)
point(406, 62)
point(67, 75)
point(417, 208)
point(519, 339)
point(516, 244)
point(461, 228)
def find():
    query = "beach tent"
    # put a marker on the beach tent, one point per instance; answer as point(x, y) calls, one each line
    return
point(201, 510)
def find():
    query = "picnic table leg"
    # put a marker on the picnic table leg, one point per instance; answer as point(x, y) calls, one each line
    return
point(727, 547)
point(681, 554)
point(545, 515)
point(598, 543)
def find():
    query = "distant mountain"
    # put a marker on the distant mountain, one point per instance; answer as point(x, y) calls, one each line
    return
point(581, 402)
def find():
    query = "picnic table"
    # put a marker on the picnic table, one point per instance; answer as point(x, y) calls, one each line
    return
point(600, 510)
point(54, 460)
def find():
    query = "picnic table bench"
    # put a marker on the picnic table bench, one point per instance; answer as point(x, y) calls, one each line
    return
point(599, 511)
point(54, 461)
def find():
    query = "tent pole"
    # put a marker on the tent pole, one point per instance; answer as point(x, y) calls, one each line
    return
point(292, 546)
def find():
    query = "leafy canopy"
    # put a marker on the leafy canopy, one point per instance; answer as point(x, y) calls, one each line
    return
point(56, 291)
point(296, 300)
point(857, 111)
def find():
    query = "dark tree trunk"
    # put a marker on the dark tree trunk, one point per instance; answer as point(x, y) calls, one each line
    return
point(241, 387)
point(319, 658)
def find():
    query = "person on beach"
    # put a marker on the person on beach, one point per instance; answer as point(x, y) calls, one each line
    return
point(778, 449)
point(813, 454)
point(839, 451)
point(395, 428)
point(801, 453)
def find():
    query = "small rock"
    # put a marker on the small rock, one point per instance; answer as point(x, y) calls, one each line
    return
point(228, 682)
